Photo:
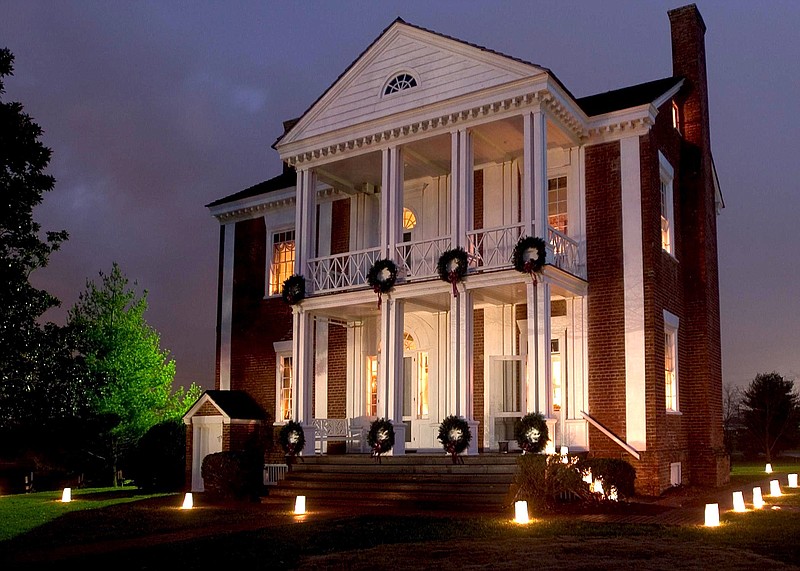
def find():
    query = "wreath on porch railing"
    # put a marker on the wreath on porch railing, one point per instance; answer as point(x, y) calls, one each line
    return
point(381, 277)
point(529, 256)
point(455, 436)
point(452, 267)
point(292, 439)
point(531, 433)
point(294, 289)
point(380, 437)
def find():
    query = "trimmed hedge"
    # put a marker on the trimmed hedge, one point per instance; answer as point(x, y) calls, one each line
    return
point(233, 475)
point(612, 472)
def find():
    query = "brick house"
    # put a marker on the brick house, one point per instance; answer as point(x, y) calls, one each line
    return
point(427, 144)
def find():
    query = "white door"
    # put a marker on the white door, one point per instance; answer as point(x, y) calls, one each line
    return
point(207, 439)
point(416, 397)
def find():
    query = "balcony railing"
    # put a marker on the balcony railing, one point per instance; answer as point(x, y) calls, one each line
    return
point(491, 248)
point(342, 271)
point(418, 260)
point(564, 253)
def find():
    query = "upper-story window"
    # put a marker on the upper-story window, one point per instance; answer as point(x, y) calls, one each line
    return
point(557, 203)
point(399, 83)
point(281, 261)
point(671, 323)
point(667, 210)
point(676, 117)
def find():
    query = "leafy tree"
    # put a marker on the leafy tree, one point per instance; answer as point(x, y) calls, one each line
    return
point(31, 356)
point(133, 373)
point(770, 414)
point(731, 416)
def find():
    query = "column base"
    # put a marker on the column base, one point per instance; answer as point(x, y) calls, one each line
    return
point(310, 449)
point(399, 448)
point(472, 449)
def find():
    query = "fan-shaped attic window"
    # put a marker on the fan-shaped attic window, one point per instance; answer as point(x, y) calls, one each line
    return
point(399, 83)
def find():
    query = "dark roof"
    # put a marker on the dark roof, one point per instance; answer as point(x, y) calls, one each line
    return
point(286, 179)
point(237, 404)
point(626, 97)
point(287, 125)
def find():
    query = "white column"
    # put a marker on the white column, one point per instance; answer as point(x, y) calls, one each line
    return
point(633, 277)
point(543, 336)
point(456, 184)
point(302, 381)
point(305, 220)
point(390, 370)
point(386, 185)
point(534, 181)
point(226, 309)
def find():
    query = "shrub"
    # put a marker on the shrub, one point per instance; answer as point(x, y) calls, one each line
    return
point(233, 475)
point(159, 460)
point(545, 481)
point(612, 472)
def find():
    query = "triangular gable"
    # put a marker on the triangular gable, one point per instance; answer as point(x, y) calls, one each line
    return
point(231, 405)
point(442, 66)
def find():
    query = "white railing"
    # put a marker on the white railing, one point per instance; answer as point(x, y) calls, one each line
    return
point(418, 260)
point(564, 253)
point(274, 473)
point(492, 247)
point(342, 271)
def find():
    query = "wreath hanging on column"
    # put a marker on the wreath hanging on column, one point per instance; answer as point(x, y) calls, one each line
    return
point(452, 267)
point(455, 436)
point(292, 439)
point(380, 437)
point(529, 256)
point(381, 277)
point(531, 433)
point(294, 289)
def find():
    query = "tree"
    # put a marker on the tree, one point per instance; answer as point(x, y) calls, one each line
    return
point(134, 375)
point(770, 414)
point(30, 354)
point(731, 416)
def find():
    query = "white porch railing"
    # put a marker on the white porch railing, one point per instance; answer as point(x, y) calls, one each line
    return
point(565, 253)
point(491, 248)
point(418, 260)
point(342, 271)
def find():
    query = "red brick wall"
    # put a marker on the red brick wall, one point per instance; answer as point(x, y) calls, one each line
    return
point(337, 372)
point(477, 373)
point(340, 226)
point(605, 300)
point(477, 186)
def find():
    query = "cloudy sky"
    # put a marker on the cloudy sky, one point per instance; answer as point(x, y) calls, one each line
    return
point(154, 109)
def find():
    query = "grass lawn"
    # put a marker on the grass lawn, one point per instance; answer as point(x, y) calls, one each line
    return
point(123, 530)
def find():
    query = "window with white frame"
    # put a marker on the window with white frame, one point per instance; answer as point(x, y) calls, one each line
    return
point(284, 376)
point(281, 261)
point(666, 174)
point(676, 116)
point(557, 203)
point(671, 323)
point(400, 82)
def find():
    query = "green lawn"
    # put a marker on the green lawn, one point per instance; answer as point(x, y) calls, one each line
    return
point(254, 535)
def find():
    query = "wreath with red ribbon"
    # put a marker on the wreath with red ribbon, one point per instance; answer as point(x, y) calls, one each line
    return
point(455, 436)
point(531, 432)
point(452, 267)
point(380, 437)
point(294, 289)
point(292, 440)
point(381, 277)
point(529, 256)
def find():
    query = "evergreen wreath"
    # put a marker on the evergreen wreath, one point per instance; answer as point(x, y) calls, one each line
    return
point(531, 433)
point(380, 437)
point(294, 289)
point(452, 267)
point(524, 258)
point(292, 439)
point(382, 276)
point(455, 436)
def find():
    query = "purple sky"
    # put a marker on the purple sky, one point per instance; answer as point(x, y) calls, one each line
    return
point(154, 109)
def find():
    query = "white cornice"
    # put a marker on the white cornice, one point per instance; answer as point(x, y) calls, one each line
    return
point(254, 206)
point(635, 121)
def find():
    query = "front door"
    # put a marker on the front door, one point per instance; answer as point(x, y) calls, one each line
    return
point(416, 392)
point(207, 439)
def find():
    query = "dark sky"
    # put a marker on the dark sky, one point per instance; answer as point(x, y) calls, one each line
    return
point(154, 109)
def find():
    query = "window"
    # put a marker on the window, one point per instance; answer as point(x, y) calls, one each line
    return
point(667, 215)
point(676, 117)
point(372, 385)
point(284, 412)
point(555, 371)
point(399, 83)
point(557, 203)
point(671, 361)
point(409, 219)
point(282, 261)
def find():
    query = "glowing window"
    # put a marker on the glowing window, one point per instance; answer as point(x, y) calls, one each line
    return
point(284, 387)
point(667, 216)
point(557, 203)
point(408, 342)
point(555, 371)
point(409, 219)
point(399, 83)
point(282, 261)
point(372, 385)
point(671, 361)
point(676, 117)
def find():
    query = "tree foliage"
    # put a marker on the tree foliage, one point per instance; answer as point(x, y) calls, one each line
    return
point(770, 411)
point(36, 363)
point(122, 351)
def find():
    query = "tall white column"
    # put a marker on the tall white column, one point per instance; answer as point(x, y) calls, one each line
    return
point(302, 382)
point(226, 309)
point(534, 182)
point(390, 370)
point(391, 201)
point(305, 220)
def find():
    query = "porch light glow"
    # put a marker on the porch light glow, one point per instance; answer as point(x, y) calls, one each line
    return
point(565, 454)
point(300, 505)
point(66, 495)
point(758, 501)
point(597, 487)
point(550, 448)
point(712, 515)
point(774, 488)
point(587, 476)
point(188, 502)
point(738, 502)
point(521, 512)
point(768, 468)
point(792, 480)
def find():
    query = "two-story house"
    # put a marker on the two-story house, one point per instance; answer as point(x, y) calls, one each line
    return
point(426, 145)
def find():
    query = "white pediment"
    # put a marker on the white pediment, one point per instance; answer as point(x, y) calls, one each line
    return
point(443, 68)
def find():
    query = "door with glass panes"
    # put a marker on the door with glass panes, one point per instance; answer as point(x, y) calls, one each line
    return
point(416, 393)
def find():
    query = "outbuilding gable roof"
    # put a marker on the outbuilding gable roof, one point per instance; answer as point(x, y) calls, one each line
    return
point(235, 405)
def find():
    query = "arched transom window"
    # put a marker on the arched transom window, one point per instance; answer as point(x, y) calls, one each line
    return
point(399, 83)
point(409, 219)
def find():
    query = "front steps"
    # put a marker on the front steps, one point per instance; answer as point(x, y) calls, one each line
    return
point(412, 481)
